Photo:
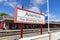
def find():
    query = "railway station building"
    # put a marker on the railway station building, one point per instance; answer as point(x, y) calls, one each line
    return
point(7, 22)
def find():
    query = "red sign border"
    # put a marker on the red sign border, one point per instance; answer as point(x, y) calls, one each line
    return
point(15, 16)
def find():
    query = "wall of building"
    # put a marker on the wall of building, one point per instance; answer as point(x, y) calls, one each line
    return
point(1, 26)
point(15, 26)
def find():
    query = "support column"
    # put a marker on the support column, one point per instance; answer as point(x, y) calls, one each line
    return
point(10, 25)
point(41, 29)
point(21, 30)
point(15, 25)
point(0, 25)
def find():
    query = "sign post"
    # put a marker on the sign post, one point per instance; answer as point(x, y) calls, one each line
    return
point(41, 29)
point(21, 30)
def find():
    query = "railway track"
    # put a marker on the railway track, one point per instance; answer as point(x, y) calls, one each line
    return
point(17, 32)
point(10, 33)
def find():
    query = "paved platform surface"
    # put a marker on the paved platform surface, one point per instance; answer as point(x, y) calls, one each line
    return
point(25, 35)
point(18, 36)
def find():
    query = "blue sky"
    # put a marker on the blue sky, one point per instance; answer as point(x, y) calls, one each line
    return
point(8, 6)
point(55, 9)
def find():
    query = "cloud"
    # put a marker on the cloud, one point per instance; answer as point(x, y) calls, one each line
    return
point(19, 6)
point(35, 9)
point(35, 5)
point(51, 16)
point(56, 20)
point(38, 2)
point(12, 3)
point(1, 1)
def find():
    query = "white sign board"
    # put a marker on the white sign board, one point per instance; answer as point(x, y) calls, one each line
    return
point(29, 17)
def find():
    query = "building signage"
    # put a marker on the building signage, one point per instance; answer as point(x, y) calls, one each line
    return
point(29, 17)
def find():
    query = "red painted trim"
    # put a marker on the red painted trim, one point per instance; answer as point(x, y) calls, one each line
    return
point(28, 22)
point(15, 16)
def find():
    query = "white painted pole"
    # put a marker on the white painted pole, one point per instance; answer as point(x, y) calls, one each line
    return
point(48, 15)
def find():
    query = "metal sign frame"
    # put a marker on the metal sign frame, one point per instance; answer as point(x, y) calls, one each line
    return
point(15, 16)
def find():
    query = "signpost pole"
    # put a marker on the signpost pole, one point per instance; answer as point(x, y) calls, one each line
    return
point(23, 4)
point(41, 29)
point(21, 30)
point(22, 24)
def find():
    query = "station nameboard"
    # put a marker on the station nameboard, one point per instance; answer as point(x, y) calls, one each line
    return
point(27, 16)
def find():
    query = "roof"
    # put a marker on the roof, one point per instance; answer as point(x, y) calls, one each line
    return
point(2, 18)
point(53, 22)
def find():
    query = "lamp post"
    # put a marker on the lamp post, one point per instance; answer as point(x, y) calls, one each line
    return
point(48, 15)
point(48, 20)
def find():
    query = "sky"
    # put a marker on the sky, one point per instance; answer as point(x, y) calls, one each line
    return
point(8, 6)
point(55, 9)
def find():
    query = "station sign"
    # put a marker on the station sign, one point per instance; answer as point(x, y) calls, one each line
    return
point(27, 16)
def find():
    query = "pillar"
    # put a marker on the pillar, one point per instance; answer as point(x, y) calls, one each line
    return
point(41, 29)
point(2, 25)
point(21, 30)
